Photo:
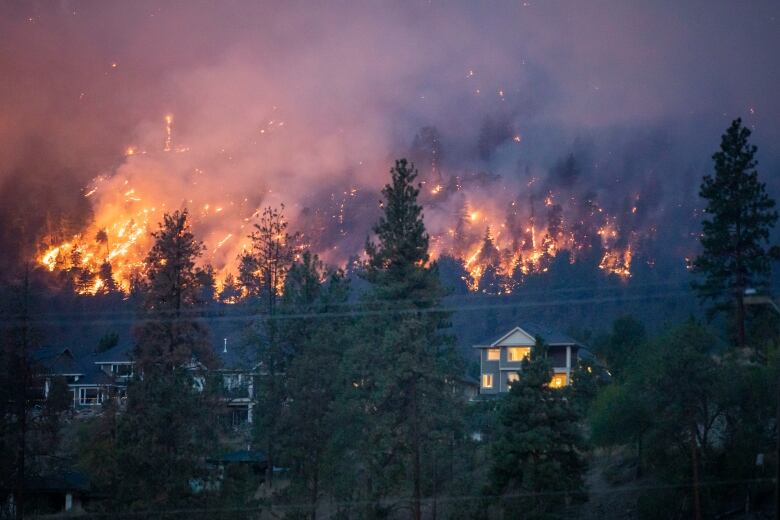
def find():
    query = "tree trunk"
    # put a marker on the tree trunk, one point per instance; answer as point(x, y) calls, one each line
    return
point(777, 448)
point(417, 510)
point(740, 289)
point(639, 456)
point(695, 475)
point(741, 340)
point(315, 487)
point(435, 486)
point(21, 402)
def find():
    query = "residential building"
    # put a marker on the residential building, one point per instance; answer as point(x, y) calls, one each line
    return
point(93, 378)
point(501, 359)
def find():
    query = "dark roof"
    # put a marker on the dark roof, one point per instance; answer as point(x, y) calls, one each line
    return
point(93, 375)
point(68, 480)
point(246, 456)
point(57, 361)
point(240, 354)
point(548, 334)
point(119, 353)
point(468, 380)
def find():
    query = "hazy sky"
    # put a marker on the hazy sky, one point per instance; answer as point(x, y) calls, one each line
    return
point(280, 99)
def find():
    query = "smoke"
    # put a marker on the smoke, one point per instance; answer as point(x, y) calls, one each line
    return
point(308, 105)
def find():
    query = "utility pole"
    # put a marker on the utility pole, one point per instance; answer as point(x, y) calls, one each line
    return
point(751, 297)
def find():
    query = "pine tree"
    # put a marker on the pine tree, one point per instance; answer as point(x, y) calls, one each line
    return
point(168, 428)
point(316, 346)
point(404, 368)
point(538, 455)
point(231, 290)
point(101, 237)
point(107, 276)
point(735, 234)
point(263, 272)
point(172, 337)
point(489, 258)
point(17, 396)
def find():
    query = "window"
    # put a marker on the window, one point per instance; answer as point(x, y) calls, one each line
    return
point(239, 416)
point(518, 353)
point(558, 381)
point(493, 354)
point(511, 377)
point(89, 396)
point(487, 380)
point(123, 370)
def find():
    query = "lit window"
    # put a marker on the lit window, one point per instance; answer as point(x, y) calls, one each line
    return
point(511, 377)
point(518, 353)
point(494, 354)
point(558, 381)
point(487, 380)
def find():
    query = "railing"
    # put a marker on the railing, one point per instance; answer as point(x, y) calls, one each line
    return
point(237, 392)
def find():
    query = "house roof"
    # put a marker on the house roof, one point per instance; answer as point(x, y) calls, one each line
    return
point(93, 374)
point(231, 347)
point(57, 361)
point(548, 334)
point(68, 480)
point(121, 353)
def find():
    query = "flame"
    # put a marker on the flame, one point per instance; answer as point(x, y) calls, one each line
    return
point(526, 236)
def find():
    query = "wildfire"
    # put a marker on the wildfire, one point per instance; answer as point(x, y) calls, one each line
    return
point(499, 247)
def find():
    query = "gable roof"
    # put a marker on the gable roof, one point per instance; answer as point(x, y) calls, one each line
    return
point(232, 347)
point(57, 361)
point(550, 335)
point(93, 375)
point(526, 335)
point(516, 336)
point(122, 353)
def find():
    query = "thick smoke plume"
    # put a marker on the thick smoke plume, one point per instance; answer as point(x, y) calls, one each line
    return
point(308, 106)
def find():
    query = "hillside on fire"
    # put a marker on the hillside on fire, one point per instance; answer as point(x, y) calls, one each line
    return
point(420, 260)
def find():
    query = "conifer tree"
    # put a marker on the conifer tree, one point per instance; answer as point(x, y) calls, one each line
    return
point(107, 276)
point(316, 346)
point(538, 455)
point(231, 290)
point(263, 271)
point(168, 428)
point(735, 234)
point(172, 336)
point(17, 398)
point(404, 368)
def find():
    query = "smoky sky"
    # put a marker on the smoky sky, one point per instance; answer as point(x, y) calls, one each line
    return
point(288, 101)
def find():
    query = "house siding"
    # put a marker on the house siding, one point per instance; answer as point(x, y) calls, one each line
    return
point(489, 367)
point(563, 358)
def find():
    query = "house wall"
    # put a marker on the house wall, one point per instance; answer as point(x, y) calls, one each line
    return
point(489, 367)
point(562, 357)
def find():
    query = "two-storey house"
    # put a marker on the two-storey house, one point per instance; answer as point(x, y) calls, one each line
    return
point(93, 378)
point(90, 379)
point(501, 359)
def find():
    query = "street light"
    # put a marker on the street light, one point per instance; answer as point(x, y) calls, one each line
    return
point(753, 298)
